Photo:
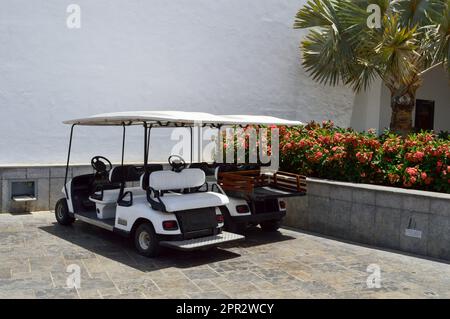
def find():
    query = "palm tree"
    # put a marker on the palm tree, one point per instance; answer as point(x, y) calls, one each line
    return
point(342, 47)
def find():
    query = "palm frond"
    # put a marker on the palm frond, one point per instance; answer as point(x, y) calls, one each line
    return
point(354, 16)
point(326, 53)
point(397, 51)
point(341, 47)
point(418, 12)
point(320, 57)
point(442, 40)
point(316, 13)
point(362, 74)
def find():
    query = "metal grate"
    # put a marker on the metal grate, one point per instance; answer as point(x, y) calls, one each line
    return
point(197, 219)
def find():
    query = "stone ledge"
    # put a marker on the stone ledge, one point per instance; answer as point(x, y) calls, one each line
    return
point(388, 189)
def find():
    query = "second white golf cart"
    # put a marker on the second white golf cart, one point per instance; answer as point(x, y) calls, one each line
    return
point(176, 208)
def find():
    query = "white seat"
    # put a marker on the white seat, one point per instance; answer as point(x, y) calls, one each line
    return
point(168, 180)
point(186, 179)
point(175, 202)
point(106, 207)
point(110, 196)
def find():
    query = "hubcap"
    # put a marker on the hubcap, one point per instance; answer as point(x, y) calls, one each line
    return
point(144, 240)
point(60, 212)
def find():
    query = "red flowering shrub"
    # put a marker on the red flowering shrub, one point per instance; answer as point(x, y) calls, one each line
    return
point(419, 161)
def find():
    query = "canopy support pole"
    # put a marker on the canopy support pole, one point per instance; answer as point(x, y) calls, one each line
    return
point(68, 160)
point(122, 184)
point(192, 144)
point(200, 146)
point(145, 146)
point(147, 132)
point(149, 135)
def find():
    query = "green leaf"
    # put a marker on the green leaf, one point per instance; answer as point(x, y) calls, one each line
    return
point(419, 12)
point(316, 13)
point(340, 46)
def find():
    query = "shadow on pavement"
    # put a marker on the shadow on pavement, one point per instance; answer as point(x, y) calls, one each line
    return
point(255, 236)
point(121, 249)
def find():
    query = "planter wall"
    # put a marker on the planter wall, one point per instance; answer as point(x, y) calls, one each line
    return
point(412, 221)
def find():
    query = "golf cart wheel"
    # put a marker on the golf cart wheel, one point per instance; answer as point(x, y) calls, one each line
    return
point(146, 241)
point(270, 226)
point(62, 214)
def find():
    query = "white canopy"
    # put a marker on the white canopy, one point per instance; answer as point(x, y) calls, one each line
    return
point(258, 120)
point(178, 118)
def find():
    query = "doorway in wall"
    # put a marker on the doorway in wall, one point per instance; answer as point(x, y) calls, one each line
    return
point(424, 115)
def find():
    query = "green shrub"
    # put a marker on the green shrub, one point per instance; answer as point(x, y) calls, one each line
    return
point(419, 161)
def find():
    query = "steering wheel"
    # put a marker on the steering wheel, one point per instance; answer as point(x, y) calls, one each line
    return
point(101, 164)
point(177, 163)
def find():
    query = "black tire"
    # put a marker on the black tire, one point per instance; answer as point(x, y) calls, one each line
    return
point(146, 241)
point(230, 225)
point(270, 225)
point(62, 214)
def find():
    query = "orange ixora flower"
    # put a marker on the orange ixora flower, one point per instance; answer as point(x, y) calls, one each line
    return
point(393, 178)
point(411, 171)
point(420, 161)
point(364, 157)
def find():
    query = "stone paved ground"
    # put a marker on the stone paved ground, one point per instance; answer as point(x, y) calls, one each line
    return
point(35, 253)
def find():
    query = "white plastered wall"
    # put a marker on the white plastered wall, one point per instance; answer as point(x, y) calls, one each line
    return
point(221, 56)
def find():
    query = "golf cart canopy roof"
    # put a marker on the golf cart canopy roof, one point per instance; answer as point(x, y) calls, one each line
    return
point(177, 119)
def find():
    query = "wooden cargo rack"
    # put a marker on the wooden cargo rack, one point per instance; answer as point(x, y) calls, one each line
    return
point(254, 183)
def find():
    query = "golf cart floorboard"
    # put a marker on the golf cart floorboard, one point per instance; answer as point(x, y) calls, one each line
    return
point(91, 218)
point(203, 242)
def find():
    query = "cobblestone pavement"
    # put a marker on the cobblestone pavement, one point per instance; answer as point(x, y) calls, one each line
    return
point(35, 253)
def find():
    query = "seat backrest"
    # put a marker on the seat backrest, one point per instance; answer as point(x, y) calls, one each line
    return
point(169, 180)
point(150, 169)
point(127, 173)
point(209, 170)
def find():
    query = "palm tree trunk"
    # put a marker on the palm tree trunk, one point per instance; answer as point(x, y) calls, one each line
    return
point(402, 105)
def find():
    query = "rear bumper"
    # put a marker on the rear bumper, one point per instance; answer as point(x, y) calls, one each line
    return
point(258, 218)
point(202, 242)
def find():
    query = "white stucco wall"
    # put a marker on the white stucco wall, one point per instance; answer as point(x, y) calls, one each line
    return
point(436, 87)
point(221, 56)
point(367, 108)
point(372, 108)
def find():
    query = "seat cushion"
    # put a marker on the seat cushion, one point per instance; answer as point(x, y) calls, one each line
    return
point(169, 180)
point(175, 202)
point(110, 196)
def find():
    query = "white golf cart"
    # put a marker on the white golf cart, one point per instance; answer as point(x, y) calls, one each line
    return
point(255, 195)
point(178, 208)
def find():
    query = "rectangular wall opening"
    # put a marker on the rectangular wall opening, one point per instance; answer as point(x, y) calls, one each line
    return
point(23, 191)
point(424, 115)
